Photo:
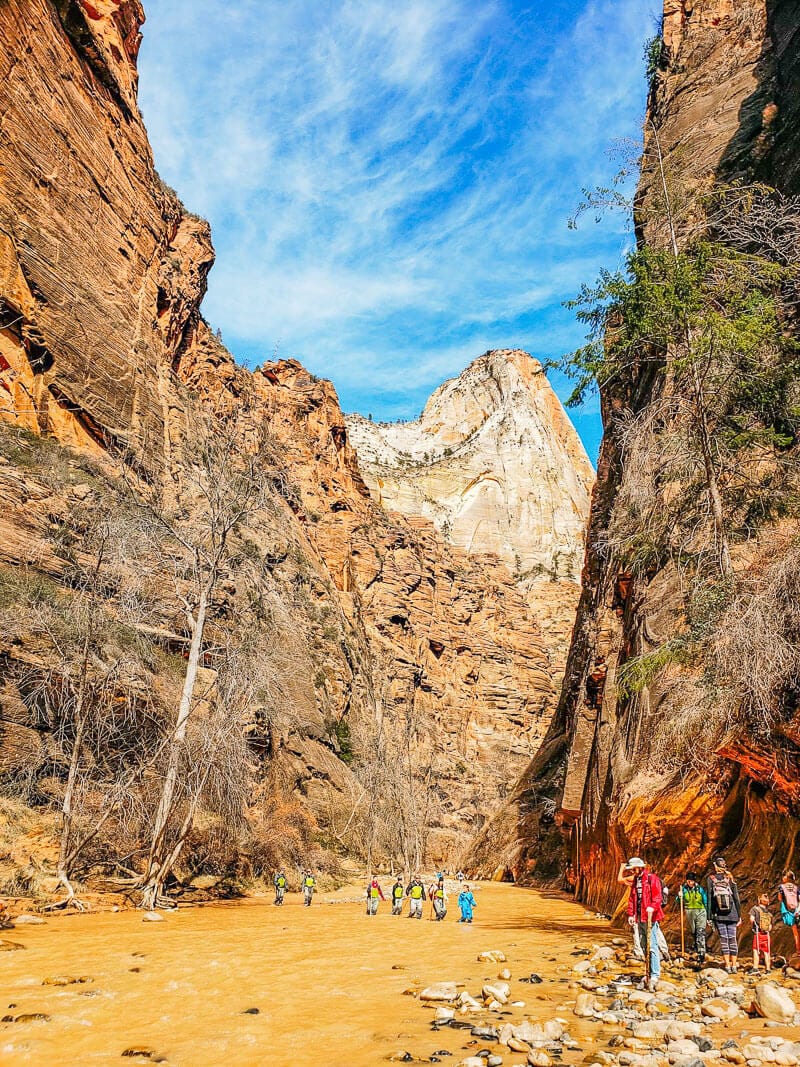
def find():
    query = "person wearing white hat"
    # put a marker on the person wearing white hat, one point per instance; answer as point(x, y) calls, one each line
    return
point(645, 912)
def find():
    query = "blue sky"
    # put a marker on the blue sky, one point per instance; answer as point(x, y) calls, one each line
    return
point(389, 181)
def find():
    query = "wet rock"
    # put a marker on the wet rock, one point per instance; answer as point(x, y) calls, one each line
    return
point(27, 1017)
point(539, 1058)
point(585, 1005)
point(758, 1052)
point(535, 979)
point(703, 1043)
point(251, 1011)
point(684, 1047)
point(678, 1031)
point(505, 974)
point(139, 1051)
point(443, 1014)
point(66, 979)
point(472, 1061)
point(468, 1003)
point(10, 946)
point(787, 1057)
point(719, 1008)
point(497, 991)
point(732, 1054)
point(29, 920)
point(713, 976)
point(773, 1002)
point(492, 956)
point(152, 917)
point(732, 991)
point(487, 1033)
point(652, 1030)
point(494, 1061)
point(440, 991)
point(641, 996)
point(584, 967)
point(516, 1045)
point(553, 1030)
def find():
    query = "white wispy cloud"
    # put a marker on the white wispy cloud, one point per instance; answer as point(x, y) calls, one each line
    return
point(389, 182)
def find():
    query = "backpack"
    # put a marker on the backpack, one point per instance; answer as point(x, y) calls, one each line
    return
point(723, 895)
point(789, 894)
point(764, 921)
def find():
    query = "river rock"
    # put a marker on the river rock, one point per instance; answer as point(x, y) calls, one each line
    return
point(641, 996)
point(732, 991)
point(487, 1033)
point(152, 917)
point(440, 991)
point(719, 1008)
point(473, 1061)
point(444, 1015)
point(684, 1047)
point(66, 979)
point(504, 975)
point(553, 1030)
point(772, 1002)
point(539, 1058)
point(27, 1017)
point(10, 946)
point(585, 1005)
point(713, 976)
point(516, 1045)
point(584, 967)
point(733, 1054)
point(678, 1030)
point(493, 955)
point(787, 1055)
point(499, 991)
point(494, 1061)
point(758, 1052)
point(29, 920)
point(652, 1030)
point(468, 1003)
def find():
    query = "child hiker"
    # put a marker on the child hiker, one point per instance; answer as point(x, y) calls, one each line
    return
point(466, 902)
point(761, 919)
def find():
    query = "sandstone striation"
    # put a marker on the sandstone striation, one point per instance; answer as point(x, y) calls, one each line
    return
point(105, 362)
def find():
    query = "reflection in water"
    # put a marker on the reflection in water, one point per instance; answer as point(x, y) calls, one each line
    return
point(326, 981)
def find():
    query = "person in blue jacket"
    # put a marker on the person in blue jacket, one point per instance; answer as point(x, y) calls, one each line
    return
point(466, 902)
point(695, 907)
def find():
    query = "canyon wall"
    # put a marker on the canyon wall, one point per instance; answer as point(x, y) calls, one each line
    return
point(105, 364)
point(635, 771)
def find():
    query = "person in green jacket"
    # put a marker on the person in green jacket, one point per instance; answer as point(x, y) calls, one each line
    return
point(416, 896)
point(695, 907)
point(309, 885)
point(374, 894)
point(279, 881)
point(398, 892)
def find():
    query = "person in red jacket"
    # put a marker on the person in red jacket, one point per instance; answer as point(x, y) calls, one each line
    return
point(645, 904)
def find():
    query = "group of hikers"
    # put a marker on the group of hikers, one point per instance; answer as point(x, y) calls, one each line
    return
point(308, 885)
point(716, 904)
point(414, 892)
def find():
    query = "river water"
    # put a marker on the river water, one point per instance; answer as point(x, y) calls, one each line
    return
point(327, 981)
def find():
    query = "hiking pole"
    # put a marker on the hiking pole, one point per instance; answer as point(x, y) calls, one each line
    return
point(649, 947)
point(683, 943)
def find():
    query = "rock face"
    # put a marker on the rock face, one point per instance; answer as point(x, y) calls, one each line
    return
point(722, 107)
point(103, 348)
point(493, 462)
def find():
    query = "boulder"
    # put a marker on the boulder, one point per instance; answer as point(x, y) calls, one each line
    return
point(499, 991)
point(773, 1002)
point(539, 1058)
point(585, 1005)
point(719, 1008)
point(440, 991)
point(713, 976)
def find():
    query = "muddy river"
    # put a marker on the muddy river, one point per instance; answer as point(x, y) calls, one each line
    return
point(327, 981)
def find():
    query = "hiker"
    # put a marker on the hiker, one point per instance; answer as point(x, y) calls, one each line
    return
point(374, 894)
point(416, 895)
point(460, 876)
point(279, 881)
point(725, 911)
point(309, 885)
point(761, 920)
point(439, 897)
point(466, 902)
point(790, 899)
point(398, 892)
point(645, 909)
point(695, 907)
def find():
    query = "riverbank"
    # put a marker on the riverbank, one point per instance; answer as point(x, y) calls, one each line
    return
point(248, 984)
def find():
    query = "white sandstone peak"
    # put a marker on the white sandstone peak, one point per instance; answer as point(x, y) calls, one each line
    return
point(493, 461)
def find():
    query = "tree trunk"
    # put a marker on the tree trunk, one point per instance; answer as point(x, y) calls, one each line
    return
point(154, 876)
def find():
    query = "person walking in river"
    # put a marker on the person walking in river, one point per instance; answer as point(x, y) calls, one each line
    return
point(725, 911)
point(466, 904)
point(398, 893)
point(279, 881)
point(416, 897)
point(438, 895)
point(374, 894)
point(761, 921)
point(309, 886)
point(645, 912)
point(692, 897)
point(790, 905)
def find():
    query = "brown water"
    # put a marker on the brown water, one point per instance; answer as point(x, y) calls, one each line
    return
point(327, 980)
